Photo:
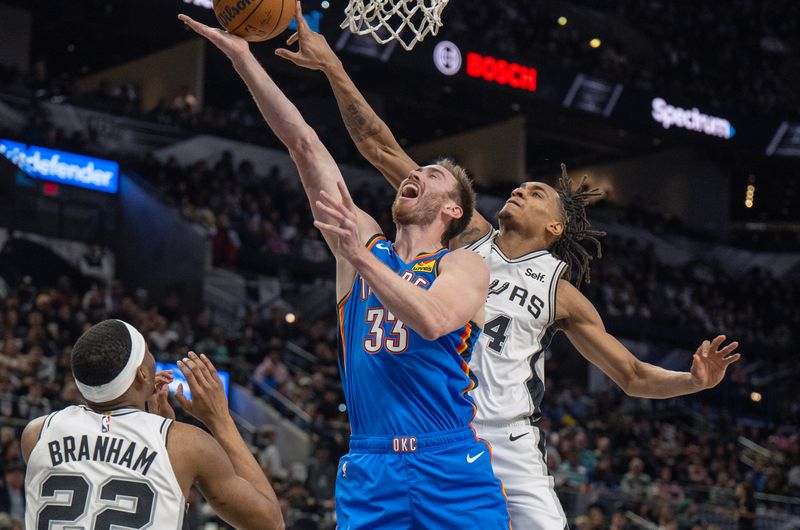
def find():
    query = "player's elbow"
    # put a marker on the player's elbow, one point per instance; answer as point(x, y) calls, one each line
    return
point(438, 326)
point(272, 518)
point(429, 332)
point(629, 378)
point(302, 143)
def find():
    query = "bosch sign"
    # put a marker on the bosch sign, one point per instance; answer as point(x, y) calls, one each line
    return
point(501, 72)
point(447, 58)
point(694, 120)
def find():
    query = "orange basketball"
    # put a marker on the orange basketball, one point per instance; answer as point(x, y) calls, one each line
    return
point(255, 20)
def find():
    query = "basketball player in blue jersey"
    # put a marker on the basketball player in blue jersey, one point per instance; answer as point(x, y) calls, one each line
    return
point(531, 257)
point(409, 315)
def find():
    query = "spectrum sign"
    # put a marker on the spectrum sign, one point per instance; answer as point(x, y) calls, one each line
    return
point(693, 120)
point(447, 58)
point(62, 167)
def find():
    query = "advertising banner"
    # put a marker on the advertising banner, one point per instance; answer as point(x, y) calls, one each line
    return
point(62, 167)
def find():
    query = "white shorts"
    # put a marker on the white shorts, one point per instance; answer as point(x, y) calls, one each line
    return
point(518, 461)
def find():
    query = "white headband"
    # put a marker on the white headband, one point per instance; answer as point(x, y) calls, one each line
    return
point(117, 386)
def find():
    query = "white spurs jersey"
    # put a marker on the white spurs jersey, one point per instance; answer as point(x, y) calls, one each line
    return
point(102, 472)
point(520, 307)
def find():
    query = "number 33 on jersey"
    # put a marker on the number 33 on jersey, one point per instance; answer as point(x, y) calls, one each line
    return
point(395, 381)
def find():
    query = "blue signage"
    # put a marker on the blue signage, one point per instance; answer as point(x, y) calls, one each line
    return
point(224, 376)
point(313, 19)
point(62, 167)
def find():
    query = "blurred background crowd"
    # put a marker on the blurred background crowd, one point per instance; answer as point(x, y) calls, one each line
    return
point(727, 458)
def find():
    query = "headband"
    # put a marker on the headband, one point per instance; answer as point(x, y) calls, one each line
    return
point(117, 386)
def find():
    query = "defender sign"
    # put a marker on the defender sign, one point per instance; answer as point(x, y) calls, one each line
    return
point(62, 167)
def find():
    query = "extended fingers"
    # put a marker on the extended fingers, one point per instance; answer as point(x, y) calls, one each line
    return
point(333, 212)
point(291, 40)
point(732, 359)
point(212, 371)
point(192, 23)
point(202, 369)
point(288, 54)
point(347, 200)
point(191, 376)
point(331, 229)
point(302, 25)
point(198, 368)
point(347, 212)
point(185, 403)
point(715, 344)
point(326, 227)
point(728, 349)
point(164, 376)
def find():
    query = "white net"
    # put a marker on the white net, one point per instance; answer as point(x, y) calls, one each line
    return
point(407, 21)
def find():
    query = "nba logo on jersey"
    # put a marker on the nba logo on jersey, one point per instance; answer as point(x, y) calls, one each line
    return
point(105, 424)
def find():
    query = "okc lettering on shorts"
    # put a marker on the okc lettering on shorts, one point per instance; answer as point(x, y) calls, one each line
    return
point(404, 444)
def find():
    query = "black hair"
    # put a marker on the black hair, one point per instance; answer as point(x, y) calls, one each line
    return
point(569, 247)
point(101, 353)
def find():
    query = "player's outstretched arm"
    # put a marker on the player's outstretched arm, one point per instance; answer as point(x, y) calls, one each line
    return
point(231, 495)
point(238, 467)
point(370, 134)
point(373, 138)
point(456, 296)
point(318, 171)
point(585, 329)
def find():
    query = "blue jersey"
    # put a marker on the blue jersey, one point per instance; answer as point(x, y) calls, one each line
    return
point(395, 381)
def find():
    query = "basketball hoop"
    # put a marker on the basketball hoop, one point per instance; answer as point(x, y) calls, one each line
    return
point(388, 20)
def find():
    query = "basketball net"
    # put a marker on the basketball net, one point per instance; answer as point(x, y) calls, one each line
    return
point(406, 21)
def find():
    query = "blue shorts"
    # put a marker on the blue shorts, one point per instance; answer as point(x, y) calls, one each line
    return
point(434, 481)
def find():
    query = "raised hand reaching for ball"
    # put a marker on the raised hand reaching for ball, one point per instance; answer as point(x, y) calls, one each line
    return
point(232, 46)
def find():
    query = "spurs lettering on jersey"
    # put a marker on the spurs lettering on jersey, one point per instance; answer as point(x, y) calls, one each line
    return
point(520, 307)
point(102, 471)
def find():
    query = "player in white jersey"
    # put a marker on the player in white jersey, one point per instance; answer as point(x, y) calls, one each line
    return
point(109, 464)
point(529, 257)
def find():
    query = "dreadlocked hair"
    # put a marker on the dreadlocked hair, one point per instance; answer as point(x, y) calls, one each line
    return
point(569, 248)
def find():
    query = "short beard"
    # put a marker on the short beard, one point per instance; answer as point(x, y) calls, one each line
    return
point(505, 218)
point(424, 213)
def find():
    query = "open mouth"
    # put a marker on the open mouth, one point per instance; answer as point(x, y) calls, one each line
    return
point(409, 191)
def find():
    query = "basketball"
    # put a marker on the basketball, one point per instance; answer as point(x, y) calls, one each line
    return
point(255, 20)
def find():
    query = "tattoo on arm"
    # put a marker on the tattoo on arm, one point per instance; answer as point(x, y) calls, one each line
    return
point(360, 125)
point(467, 236)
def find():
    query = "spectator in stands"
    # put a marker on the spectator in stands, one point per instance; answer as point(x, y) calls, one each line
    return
point(272, 371)
point(722, 492)
point(226, 243)
point(636, 482)
point(322, 476)
point(664, 488)
point(618, 520)
point(745, 507)
point(161, 337)
point(269, 458)
point(571, 473)
point(96, 263)
point(12, 495)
